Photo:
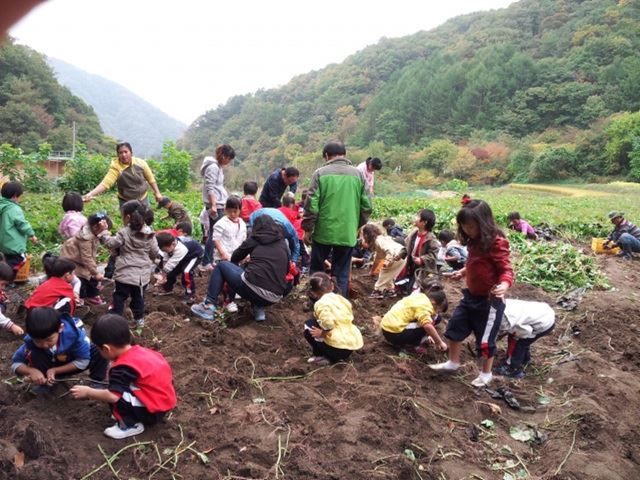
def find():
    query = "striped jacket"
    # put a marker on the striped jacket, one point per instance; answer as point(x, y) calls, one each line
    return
point(625, 227)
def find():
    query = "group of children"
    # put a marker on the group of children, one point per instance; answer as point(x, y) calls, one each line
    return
point(139, 386)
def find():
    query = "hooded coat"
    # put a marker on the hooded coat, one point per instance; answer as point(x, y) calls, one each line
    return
point(82, 250)
point(136, 252)
point(213, 181)
point(14, 228)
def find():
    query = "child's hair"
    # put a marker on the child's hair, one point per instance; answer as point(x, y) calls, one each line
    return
point(439, 298)
point(250, 188)
point(233, 203)
point(111, 329)
point(445, 236)
point(6, 272)
point(225, 151)
point(139, 214)
point(288, 201)
point(185, 227)
point(291, 172)
point(42, 322)
point(370, 233)
point(165, 239)
point(12, 189)
point(97, 217)
point(388, 223)
point(72, 201)
point(514, 216)
point(320, 282)
point(374, 162)
point(164, 201)
point(428, 217)
point(478, 212)
point(55, 266)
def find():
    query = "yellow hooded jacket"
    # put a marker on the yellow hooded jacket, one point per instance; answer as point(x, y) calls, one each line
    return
point(333, 313)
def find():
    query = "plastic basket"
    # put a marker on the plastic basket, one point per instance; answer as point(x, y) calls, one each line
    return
point(597, 245)
point(23, 273)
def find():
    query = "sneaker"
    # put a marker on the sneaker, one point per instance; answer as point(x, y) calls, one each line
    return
point(377, 294)
point(258, 314)
point(390, 294)
point(231, 307)
point(447, 366)
point(204, 310)
point(162, 292)
point(481, 381)
point(97, 300)
point(140, 322)
point(205, 268)
point(119, 433)
point(318, 360)
point(506, 371)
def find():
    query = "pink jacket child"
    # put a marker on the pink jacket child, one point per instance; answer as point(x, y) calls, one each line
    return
point(73, 219)
point(519, 225)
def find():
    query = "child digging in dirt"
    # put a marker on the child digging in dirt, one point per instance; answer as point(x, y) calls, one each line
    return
point(422, 248)
point(140, 390)
point(488, 276)
point(524, 322)
point(411, 321)
point(520, 225)
point(388, 250)
point(82, 249)
point(138, 247)
point(331, 333)
point(6, 277)
point(55, 346)
point(180, 258)
point(57, 291)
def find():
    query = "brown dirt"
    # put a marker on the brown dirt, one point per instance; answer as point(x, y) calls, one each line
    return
point(250, 402)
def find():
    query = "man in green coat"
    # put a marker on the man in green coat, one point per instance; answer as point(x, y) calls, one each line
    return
point(337, 206)
point(14, 228)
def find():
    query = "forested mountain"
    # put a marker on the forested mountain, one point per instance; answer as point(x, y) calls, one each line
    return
point(482, 91)
point(35, 108)
point(123, 115)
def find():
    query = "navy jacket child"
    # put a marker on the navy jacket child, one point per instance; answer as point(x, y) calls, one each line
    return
point(56, 345)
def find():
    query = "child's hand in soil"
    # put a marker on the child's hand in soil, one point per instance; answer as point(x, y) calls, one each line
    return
point(37, 377)
point(80, 391)
point(16, 330)
point(51, 376)
point(442, 346)
point(457, 275)
point(317, 332)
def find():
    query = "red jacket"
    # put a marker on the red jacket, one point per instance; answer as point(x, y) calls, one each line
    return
point(249, 205)
point(294, 217)
point(486, 269)
point(155, 385)
point(48, 294)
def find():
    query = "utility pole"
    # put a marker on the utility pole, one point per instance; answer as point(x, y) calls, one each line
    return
point(73, 145)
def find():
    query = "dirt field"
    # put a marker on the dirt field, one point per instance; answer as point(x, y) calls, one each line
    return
point(250, 406)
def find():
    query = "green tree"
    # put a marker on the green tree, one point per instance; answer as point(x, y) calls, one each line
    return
point(172, 172)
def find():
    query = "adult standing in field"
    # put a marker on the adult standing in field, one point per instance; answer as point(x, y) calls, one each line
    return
point(276, 185)
point(214, 195)
point(132, 176)
point(368, 167)
point(337, 205)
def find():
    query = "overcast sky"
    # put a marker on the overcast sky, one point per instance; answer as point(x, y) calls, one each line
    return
point(189, 56)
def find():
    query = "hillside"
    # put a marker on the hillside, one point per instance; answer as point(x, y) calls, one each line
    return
point(123, 115)
point(35, 108)
point(503, 75)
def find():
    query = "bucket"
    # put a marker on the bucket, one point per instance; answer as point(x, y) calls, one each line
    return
point(23, 274)
point(597, 245)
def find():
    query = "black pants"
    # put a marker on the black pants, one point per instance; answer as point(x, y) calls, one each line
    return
point(305, 258)
point(519, 349)
point(42, 360)
point(128, 414)
point(88, 288)
point(110, 269)
point(409, 336)
point(321, 349)
point(15, 261)
point(184, 269)
point(122, 292)
point(340, 263)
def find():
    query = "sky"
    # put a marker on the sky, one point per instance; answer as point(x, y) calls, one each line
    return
point(189, 56)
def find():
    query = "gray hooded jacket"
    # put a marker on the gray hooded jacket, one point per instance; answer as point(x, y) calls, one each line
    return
point(213, 181)
point(136, 252)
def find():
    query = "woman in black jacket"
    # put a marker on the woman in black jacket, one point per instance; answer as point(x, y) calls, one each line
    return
point(262, 281)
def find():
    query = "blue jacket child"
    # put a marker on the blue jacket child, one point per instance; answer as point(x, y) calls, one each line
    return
point(55, 346)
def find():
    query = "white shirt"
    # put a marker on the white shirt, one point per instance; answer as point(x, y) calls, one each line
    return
point(526, 319)
point(229, 234)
